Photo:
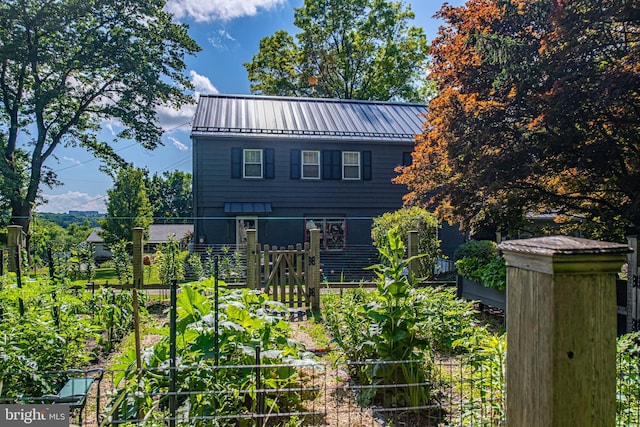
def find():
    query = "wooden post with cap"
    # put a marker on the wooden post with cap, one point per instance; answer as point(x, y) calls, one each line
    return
point(253, 261)
point(561, 335)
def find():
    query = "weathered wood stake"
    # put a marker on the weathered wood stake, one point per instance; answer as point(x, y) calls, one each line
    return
point(138, 248)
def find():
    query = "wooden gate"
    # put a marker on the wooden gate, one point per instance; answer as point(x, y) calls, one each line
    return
point(291, 275)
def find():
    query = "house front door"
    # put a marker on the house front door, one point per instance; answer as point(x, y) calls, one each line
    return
point(244, 223)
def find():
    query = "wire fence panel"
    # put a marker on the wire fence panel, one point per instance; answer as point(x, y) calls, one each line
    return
point(458, 391)
point(309, 394)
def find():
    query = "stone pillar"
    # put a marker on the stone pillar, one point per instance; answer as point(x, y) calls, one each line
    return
point(252, 261)
point(561, 335)
point(138, 249)
point(15, 242)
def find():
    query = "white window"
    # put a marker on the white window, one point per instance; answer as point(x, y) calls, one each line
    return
point(311, 165)
point(252, 164)
point(350, 165)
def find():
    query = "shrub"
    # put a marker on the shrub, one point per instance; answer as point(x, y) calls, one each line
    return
point(479, 261)
point(411, 219)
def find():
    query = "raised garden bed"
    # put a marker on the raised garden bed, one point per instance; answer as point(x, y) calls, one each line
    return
point(474, 291)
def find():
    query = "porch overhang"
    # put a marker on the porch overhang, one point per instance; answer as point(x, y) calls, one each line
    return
point(247, 207)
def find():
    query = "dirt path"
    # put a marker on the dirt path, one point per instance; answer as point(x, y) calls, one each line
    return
point(106, 385)
point(336, 399)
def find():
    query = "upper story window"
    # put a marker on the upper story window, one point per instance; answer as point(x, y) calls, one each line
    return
point(350, 165)
point(311, 164)
point(252, 163)
point(330, 165)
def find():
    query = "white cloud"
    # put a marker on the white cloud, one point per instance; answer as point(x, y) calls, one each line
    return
point(202, 84)
point(173, 119)
point(72, 160)
point(220, 41)
point(179, 145)
point(73, 201)
point(210, 10)
point(170, 118)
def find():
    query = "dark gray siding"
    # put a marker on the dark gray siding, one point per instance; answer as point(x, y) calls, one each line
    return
point(292, 198)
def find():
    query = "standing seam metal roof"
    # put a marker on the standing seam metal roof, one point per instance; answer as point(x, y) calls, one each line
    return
point(246, 115)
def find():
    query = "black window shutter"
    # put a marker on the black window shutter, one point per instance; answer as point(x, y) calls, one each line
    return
point(269, 163)
point(336, 165)
point(295, 164)
point(326, 164)
point(332, 164)
point(407, 159)
point(366, 165)
point(236, 163)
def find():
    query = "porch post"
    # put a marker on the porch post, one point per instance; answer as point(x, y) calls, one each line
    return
point(252, 262)
point(14, 244)
point(561, 358)
point(138, 249)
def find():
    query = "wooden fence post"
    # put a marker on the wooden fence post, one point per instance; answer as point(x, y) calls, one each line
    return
point(138, 248)
point(252, 262)
point(412, 250)
point(561, 334)
point(14, 244)
point(633, 283)
point(313, 275)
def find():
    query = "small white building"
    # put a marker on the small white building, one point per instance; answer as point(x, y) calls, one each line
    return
point(158, 233)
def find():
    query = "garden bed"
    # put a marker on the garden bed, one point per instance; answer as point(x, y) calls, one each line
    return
point(475, 291)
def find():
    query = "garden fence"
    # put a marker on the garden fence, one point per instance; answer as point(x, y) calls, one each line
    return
point(323, 394)
point(462, 393)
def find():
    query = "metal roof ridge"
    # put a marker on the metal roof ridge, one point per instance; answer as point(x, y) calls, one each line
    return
point(310, 99)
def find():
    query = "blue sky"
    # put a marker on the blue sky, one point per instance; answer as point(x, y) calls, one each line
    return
point(228, 32)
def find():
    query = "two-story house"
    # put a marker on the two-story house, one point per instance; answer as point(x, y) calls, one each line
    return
point(281, 165)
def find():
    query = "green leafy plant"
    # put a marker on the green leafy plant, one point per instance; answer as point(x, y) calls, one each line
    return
point(81, 262)
point(114, 312)
point(479, 261)
point(384, 325)
point(628, 380)
point(481, 380)
point(51, 334)
point(247, 320)
point(230, 265)
point(169, 261)
point(122, 262)
point(196, 269)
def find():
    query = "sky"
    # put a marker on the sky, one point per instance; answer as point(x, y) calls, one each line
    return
point(228, 32)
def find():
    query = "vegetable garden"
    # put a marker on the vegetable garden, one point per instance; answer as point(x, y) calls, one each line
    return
point(393, 355)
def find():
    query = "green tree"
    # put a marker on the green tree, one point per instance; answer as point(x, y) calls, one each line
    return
point(67, 65)
point(128, 207)
point(357, 49)
point(538, 111)
point(171, 197)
